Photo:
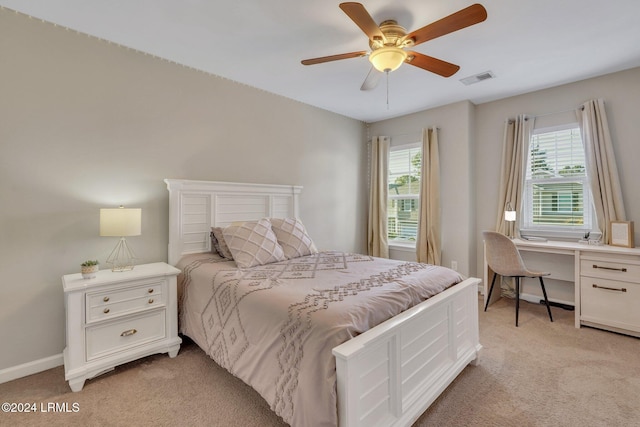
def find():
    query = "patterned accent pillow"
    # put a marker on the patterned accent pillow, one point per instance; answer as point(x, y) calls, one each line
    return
point(293, 237)
point(253, 243)
point(218, 242)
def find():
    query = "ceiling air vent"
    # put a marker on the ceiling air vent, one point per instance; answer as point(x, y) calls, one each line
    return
point(478, 78)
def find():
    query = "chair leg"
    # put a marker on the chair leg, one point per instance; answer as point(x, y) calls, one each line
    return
point(490, 290)
point(546, 301)
point(517, 299)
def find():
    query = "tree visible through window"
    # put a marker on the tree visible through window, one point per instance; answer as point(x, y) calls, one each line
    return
point(557, 196)
point(404, 193)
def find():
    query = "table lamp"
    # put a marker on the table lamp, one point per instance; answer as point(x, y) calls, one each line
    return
point(121, 222)
point(510, 218)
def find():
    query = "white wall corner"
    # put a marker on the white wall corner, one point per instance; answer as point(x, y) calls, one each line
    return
point(30, 368)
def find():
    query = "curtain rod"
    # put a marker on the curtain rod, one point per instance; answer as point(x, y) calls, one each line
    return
point(418, 134)
point(556, 112)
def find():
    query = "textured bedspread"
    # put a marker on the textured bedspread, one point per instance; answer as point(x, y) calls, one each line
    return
point(274, 326)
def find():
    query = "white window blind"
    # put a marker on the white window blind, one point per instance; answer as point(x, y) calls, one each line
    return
point(557, 196)
point(404, 193)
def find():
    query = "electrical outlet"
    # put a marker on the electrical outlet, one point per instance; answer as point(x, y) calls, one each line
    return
point(454, 265)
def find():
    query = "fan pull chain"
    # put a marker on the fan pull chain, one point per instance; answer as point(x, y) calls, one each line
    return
point(387, 73)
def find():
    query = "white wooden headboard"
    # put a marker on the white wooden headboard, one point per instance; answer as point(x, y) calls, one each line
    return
point(196, 206)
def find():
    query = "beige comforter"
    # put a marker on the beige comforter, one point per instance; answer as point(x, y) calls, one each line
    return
point(274, 326)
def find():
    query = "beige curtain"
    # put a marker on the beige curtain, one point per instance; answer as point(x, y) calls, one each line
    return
point(428, 242)
point(515, 149)
point(378, 189)
point(601, 165)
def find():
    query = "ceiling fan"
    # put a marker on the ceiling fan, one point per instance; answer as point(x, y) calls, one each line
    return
point(389, 40)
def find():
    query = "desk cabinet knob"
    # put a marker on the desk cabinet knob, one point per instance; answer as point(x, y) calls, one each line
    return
point(105, 311)
point(150, 290)
point(127, 333)
point(105, 299)
point(150, 300)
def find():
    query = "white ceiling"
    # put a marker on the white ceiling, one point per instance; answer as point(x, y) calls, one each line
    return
point(527, 44)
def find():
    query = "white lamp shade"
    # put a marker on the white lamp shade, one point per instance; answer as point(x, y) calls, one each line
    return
point(387, 58)
point(510, 216)
point(120, 222)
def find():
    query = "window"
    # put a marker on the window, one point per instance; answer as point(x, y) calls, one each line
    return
point(557, 198)
point(404, 193)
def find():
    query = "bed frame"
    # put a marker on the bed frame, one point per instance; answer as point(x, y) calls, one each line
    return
point(386, 376)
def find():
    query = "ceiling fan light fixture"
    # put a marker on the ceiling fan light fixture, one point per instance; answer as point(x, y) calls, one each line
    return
point(387, 58)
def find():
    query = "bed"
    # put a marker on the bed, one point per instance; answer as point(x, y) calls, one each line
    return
point(355, 375)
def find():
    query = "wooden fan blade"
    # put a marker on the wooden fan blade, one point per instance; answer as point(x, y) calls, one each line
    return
point(361, 17)
point(334, 57)
point(461, 19)
point(429, 63)
point(372, 79)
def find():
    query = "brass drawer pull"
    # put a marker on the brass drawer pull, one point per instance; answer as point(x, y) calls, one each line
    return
point(150, 300)
point(127, 333)
point(624, 270)
point(150, 290)
point(105, 299)
point(610, 289)
point(105, 311)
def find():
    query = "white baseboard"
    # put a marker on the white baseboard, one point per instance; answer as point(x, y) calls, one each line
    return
point(30, 368)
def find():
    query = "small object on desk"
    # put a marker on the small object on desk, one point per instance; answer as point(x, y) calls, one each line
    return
point(621, 233)
point(585, 238)
point(534, 239)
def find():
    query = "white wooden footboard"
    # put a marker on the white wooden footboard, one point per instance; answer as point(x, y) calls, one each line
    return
point(389, 375)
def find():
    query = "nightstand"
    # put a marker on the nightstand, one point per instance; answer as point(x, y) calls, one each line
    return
point(118, 317)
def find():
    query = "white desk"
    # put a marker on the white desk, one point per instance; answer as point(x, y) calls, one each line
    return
point(606, 282)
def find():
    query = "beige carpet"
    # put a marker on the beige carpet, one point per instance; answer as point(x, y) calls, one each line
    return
point(539, 374)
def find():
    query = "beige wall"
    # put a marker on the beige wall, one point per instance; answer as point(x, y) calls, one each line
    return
point(471, 145)
point(621, 93)
point(455, 123)
point(86, 124)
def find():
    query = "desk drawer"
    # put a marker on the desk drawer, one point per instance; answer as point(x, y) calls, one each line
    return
point(610, 302)
point(109, 304)
point(110, 337)
point(610, 269)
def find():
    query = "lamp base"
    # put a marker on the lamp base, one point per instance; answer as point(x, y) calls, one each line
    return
point(122, 257)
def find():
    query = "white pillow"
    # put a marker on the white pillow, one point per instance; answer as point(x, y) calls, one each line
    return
point(253, 243)
point(293, 237)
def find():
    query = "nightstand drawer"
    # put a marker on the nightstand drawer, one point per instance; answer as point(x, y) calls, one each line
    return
point(110, 337)
point(610, 302)
point(109, 304)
